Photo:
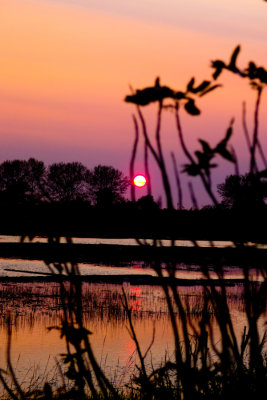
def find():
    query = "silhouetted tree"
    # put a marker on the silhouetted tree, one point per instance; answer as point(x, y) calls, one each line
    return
point(21, 181)
point(107, 185)
point(35, 175)
point(67, 182)
point(147, 203)
point(243, 191)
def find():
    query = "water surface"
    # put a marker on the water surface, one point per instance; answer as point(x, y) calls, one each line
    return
point(36, 306)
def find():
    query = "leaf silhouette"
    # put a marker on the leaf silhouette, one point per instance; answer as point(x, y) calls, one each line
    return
point(225, 153)
point(179, 95)
point(229, 133)
point(157, 82)
point(262, 74)
point(191, 108)
point(210, 89)
point(221, 146)
point(204, 161)
point(151, 94)
point(252, 70)
point(205, 146)
point(203, 158)
point(202, 86)
point(190, 85)
point(232, 64)
point(191, 169)
point(219, 66)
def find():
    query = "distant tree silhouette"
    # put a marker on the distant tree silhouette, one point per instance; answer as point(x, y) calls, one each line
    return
point(21, 181)
point(107, 185)
point(243, 191)
point(35, 175)
point(30, 181)
point(67, 182)
point(147, 203)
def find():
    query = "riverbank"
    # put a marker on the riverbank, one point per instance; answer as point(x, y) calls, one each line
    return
point(120, 279)
point(126, 221)
point(119, 254)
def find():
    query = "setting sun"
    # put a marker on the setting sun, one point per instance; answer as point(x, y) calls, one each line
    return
point(139, 180)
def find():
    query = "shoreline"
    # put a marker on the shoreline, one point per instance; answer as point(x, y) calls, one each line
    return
point(119, 254)
point(149, 280)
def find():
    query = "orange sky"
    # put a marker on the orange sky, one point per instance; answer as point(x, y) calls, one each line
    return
point(66, 65)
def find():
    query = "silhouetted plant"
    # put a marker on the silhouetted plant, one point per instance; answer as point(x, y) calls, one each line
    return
point(240, 366)
point(202, 161)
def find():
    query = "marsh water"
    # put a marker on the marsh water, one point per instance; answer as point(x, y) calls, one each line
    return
point(34, 306)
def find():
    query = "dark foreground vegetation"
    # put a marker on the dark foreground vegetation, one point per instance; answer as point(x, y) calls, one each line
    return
point(118, 255)
point(132, 221)
point(203, 365)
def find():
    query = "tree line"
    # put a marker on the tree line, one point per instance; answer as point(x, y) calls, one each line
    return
point(244, 192)
point(31, 181)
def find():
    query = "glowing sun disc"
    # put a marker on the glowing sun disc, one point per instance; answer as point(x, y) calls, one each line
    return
point(139, 180)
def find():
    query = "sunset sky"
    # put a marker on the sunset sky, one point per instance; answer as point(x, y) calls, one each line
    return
point(66, 66)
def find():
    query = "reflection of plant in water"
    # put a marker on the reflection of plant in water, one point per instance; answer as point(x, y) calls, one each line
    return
point(30, 303)
point(39, 303)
